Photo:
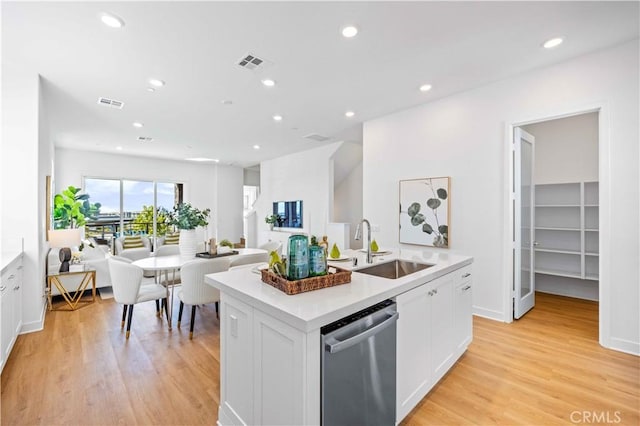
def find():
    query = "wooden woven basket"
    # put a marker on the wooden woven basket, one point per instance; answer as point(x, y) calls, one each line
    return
point(341, 276)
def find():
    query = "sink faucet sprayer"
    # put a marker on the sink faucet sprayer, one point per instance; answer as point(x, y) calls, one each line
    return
point(359, 235)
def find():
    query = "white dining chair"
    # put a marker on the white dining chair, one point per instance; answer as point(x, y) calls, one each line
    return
point(194, 290)
point(271, 246)
point(126, 280)
point(249, 258)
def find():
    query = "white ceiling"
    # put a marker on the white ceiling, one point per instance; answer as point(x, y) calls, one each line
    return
point(195, 47)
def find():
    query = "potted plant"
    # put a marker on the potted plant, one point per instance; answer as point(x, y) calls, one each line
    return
point(71, 208)
point(187, 218)
point(271, 220)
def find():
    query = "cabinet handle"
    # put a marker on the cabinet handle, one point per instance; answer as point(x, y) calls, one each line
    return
point(430, 293)
point(468, 274)
point(3, 288)
point(12, 276)
point(466, 288)
point(17, 287)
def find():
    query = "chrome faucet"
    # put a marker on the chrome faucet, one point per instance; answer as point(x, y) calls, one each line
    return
point(359, 235)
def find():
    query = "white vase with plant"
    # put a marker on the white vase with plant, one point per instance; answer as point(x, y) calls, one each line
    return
point(187, 218)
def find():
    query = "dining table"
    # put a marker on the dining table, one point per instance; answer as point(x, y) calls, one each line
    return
point(173, 263)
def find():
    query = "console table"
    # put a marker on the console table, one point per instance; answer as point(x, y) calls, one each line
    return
point(72, 298)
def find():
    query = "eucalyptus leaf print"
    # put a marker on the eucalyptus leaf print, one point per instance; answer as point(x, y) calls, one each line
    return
point(428, 212)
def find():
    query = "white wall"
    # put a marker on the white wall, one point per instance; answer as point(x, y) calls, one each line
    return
point(205, 186)
point(229, 203)
point(305, 176)
point(566, 149)
point(465, 136)
point(347, 203)
point(251, 177)
point(25, 162)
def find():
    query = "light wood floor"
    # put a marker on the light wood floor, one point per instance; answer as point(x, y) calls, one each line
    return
point(536, 371)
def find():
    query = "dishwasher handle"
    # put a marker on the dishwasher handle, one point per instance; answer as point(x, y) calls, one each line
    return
point(333, 345)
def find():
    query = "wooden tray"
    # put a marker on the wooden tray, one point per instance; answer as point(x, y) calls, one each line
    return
point(207, 255)
point(341, 276)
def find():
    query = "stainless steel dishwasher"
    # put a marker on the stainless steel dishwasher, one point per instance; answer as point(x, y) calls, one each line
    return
point(359, 368)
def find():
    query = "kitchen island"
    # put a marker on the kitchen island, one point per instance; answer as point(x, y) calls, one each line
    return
point(270, 342)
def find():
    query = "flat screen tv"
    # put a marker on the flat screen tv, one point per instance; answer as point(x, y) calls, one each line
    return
point(289, 214)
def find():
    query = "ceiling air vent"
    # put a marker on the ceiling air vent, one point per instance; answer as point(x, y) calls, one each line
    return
point(144, 139)
point(316, 137)
point(110, 103)
point(252, 62)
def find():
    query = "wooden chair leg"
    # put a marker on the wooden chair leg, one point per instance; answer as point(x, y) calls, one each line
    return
point(124, 315)
point(129, 321)
point(158, 313)
point(180, 313)
point(193, 320)
point(217, 309)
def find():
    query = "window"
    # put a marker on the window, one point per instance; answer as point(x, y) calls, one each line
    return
point(128, 206)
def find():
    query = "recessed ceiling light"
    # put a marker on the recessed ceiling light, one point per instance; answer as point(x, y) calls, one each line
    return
point(277, 117)
point(268, 82)
point(155, 82)
point(111, 20)
point(137, 124)
point(150, 89)
point(425, 87)
point(553, 42)
point(256, 147)
point(119, 148)
point(349, 114)
point(349, 31)
point(203, 159)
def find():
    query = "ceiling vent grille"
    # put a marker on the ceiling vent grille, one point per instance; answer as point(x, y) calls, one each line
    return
point(110, 103)
point(144, 139)
point(316, 137)
point(251, 62)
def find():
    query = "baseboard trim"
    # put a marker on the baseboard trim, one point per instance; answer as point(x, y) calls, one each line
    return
point(623, 345)
point(33, 326)
point(489, 314)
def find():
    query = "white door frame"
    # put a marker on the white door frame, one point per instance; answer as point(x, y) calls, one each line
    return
point(604, 177)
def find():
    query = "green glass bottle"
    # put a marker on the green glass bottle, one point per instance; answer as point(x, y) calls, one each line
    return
point(317, 261)
point(298, 257)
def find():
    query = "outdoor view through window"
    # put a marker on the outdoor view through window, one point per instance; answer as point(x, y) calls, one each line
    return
point(127, 206)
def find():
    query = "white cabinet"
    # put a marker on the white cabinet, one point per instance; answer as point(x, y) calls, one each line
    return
point(413, 354)
point(567, 217)
point(11, 307)
point(264, 369)
point(463, 307)
point(434, 329)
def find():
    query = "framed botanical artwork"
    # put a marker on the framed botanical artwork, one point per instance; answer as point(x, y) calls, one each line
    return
point(425, 211)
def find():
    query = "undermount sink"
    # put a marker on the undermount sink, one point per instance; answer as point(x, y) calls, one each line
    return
point(395, 269)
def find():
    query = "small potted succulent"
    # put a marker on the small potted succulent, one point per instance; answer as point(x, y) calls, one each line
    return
point(271, 220)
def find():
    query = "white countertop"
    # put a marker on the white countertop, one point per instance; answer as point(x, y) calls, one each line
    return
point(311, 310)
point(8, 256)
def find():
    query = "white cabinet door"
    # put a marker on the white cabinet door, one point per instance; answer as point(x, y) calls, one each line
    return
point(442, 325)
point(463, 304)
point(236, 360)
point(413, 365)
point(17, 302)
point(278, 372)
point(7, 331)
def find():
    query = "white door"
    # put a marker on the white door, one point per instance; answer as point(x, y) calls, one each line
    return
point(524, 220)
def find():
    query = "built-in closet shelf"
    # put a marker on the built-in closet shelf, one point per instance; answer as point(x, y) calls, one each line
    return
point(558, 273)
point(546, 250)
point(566, 225)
